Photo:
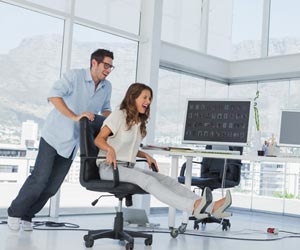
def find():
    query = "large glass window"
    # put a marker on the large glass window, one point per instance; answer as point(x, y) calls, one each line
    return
point(170, 115)
point(294, 92)
point(181, 23)
point(273, 98)
point(216, 89)
point(284, 37)
point(30, 60)
point(219, 28)
point(121, 14)
point(246, 29)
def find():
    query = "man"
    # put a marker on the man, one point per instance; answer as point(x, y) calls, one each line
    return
point(79, 93)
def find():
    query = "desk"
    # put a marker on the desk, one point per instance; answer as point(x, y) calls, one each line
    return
point(189, 157)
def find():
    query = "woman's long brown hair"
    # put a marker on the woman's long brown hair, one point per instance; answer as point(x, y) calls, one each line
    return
point(128, 104)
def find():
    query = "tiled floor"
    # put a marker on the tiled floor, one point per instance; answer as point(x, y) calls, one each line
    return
point(248, 231)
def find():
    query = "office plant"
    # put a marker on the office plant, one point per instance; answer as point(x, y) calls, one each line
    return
point(256, 113)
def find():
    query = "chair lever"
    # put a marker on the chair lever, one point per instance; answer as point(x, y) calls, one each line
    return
point(104, 195)
point(95, 201)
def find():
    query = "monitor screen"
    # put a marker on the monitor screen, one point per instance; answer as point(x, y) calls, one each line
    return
point(218, 122)
point(289, 135)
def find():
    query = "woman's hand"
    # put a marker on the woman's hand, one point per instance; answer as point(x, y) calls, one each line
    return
point(101, 143)
point(151, 162)
point(111, 157)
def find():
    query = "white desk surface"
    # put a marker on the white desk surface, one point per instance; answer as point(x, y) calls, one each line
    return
point(246, 157)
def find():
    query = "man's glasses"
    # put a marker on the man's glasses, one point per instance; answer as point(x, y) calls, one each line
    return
point(108, 66)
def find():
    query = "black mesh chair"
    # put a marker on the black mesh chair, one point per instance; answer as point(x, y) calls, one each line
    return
point(212, 175)
point(90, 179)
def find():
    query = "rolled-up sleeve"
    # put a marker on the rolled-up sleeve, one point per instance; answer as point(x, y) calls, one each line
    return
point(62, 87)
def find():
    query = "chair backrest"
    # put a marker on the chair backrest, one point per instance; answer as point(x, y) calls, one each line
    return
point(88, 149)
point(89, 172)
point(214, 167)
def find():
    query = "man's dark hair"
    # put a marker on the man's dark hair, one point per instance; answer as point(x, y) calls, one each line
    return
point(99, 55)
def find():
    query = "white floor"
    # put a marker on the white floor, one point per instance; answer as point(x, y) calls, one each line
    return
point(248, 231)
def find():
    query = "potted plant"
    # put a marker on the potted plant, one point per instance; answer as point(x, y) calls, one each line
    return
point(256, 113)
point(257, 136)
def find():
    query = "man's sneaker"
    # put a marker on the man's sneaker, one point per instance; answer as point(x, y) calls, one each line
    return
point(13, 223)
point(26, 225)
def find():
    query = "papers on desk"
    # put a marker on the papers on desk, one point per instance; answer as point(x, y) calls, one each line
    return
point(181, 149)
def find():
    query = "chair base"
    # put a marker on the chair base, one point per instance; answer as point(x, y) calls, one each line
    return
point(117, 233)
point(224, 222)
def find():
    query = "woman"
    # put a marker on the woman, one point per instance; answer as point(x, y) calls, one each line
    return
point(119, 141)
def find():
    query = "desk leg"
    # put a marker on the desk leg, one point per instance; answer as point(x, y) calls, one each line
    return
point(188, 180)
point(224, 176)
point(173, 174)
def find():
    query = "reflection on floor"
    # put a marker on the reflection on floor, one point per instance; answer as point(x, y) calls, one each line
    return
point(247, 231)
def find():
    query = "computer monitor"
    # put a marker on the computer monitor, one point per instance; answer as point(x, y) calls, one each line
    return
point(218, 122)
point(289, 135)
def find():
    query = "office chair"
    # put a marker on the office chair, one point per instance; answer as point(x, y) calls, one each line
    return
point(212, 175)
point(90, 179)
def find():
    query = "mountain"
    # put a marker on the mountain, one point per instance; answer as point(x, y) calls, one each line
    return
point(28, 71)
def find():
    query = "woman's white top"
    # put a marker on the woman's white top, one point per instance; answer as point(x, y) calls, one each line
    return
point(125, 142)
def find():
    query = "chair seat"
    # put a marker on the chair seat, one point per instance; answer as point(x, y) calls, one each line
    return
point(106, 186)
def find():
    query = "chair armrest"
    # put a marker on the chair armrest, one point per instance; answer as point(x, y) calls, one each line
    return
point(183, 167)
point(116, 177)
point(152, 165)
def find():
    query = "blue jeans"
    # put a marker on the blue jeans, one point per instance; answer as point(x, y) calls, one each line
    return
point(47, 176)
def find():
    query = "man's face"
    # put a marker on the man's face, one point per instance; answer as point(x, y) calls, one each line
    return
point(101, 70)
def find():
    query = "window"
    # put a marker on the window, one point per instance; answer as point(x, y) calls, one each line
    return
point(294, 92)
point(30, 60)
point(171, 111)
point(219, 28)
point(284, 35)
point(181, 23)
point(246, 29)
point(120, 14)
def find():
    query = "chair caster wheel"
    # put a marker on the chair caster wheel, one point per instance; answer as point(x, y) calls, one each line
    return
point(182, 228)
point(89, 241)
point(174, 232)
point(148, 242)
point(226, 224)
point(129, 246)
